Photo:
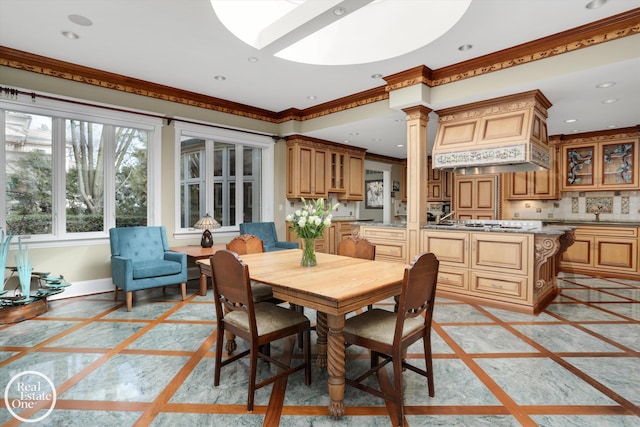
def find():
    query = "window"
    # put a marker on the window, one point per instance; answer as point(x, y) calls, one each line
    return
point(222, 173)
point(72, 175)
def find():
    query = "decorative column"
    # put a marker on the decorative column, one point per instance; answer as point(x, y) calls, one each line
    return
point(417, 118)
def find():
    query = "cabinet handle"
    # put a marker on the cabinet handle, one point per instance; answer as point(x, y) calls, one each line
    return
point(444, 277)
point(496, 285)
point(473, 245)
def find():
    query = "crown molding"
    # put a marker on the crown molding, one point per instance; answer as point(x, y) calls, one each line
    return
point(612, 28)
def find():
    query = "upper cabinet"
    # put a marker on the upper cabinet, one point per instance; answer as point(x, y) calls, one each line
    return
point(536, 185)
point(316, 168)
point(475, 196)
point(354, 184)
point(306, 170)
point(439, 184)
point(600, 165)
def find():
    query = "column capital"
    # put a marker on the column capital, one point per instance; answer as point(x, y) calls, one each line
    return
point(417, 112)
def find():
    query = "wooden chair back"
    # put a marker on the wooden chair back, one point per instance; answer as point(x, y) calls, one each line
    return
point(231, 286)
point(246, 244)
point(418, 291)
point(357, 247)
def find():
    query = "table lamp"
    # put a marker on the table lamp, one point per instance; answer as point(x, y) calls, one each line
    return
point(206, 223)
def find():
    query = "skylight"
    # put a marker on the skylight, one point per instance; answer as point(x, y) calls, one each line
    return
point(339, 32)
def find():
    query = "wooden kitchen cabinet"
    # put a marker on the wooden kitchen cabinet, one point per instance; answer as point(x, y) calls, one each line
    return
point(603, 250)
point(316, 168)
point(507, 270)
point(391, 242)
point(475, 197)
point(354, 184)
point(337, 172)
point(330, 239)
point(600, 165)
point(307, 170)
point(438, 184)
point(533, 185)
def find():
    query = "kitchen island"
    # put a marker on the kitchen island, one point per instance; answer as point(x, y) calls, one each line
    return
point(507, 264)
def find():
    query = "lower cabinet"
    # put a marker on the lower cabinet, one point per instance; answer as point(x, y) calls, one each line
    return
point(488, 267)
point(331, 236)
point(391, 242)
point(600, 249)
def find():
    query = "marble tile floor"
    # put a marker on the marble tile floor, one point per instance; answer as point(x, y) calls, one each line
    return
point(575, 364)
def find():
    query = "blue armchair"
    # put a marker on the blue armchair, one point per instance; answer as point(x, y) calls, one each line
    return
point(266, 231)
point(141, 259)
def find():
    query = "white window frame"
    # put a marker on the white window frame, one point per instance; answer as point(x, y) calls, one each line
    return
point(78, 109)
point(229, 136)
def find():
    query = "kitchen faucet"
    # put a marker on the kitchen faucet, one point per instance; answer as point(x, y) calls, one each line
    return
point(439, 219)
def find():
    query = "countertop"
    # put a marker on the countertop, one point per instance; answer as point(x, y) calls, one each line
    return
point(547, 229)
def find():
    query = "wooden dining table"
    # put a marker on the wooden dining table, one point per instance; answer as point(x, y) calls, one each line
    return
point(336, 286)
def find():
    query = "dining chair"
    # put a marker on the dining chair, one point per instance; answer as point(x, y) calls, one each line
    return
point(357, 247)
point(251, 244)
point(258, 324)
point(261, 292)
point(388, 334)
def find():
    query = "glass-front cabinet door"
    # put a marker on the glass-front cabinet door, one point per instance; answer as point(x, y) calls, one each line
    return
point(578, 167)
point(619, 166)
point(600, 166)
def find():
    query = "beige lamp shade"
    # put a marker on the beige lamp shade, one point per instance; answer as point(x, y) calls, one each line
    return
point(206, 223)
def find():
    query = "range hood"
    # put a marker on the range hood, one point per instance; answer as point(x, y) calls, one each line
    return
point(507, 134)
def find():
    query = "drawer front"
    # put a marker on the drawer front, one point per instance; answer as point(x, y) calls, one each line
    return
point(606, 230)
point(500, 286)
point(453, 279)
point(391, 252)
point(384, 233)
point(451, 247)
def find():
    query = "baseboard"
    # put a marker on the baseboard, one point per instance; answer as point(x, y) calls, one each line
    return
point(87, 287)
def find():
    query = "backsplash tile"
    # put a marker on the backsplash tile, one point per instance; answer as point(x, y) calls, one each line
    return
point(599, 204)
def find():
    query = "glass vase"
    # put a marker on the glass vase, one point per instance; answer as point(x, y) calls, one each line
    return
point(308, 253)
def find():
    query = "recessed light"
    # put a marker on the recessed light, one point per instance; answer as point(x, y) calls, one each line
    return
point(339, 11)
point(376, 76)
point(252, 59)
point(594, 4)
point(346, 141)
point(465, 47)
point(376, 139)
point(610, 101)
point(605, 85)
point(220, 78)
point(80, 20)
point(70, 35)
point(575, 130)
point(611, 126)
point(400, 145)
point(570, 120)
point(400, 120)
point(312, 97)
point(353, 133)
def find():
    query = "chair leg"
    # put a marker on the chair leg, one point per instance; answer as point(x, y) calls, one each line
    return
point(183, 288)
point(129, 300)
point(253, 367)
point(397, 379)
point(219, 340)
point(115, 294)
point(428, 362)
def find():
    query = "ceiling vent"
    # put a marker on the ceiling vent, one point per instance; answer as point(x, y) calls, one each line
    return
point(507, 134)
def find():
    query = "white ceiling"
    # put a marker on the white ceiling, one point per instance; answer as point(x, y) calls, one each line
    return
point(181, 43)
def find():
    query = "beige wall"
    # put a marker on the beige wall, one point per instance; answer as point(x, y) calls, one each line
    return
point(82, 264)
